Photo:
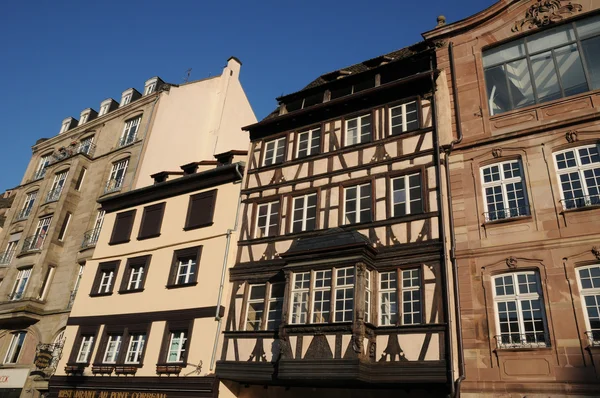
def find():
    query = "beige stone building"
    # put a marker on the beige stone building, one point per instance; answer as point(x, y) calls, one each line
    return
point(341, 286)
point(54, 224)
point(6, 200)
point(525, 192)
point(150, 318)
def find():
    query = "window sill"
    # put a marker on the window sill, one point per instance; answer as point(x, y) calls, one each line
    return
point(148, 237)
point(141, 289)
point(119, 242)
point(198, 226)
point(181, 285)
point(499, 351)
point(516, 220)
point(101, 294)
point(579, 209)
point(170, 369)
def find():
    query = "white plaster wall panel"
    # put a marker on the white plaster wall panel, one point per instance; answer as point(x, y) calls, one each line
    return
point(282, 247)
point(331, 342)
point(399, 230)
point(415, 229)
point(431, 178)
point(337, 131)
point(269, 192)
point(239, 301)
point(411, 344)
point(427, 142)
point(345, 342)
point(392, 149)
point(380, 211)
point(381, 235)
point(379, 169)
point(320, 182)
point(306, 340)
point(368, 154)
point(245, 253)
point(433, 206)
point(351, 159)
point(293, 342)
point(381, 343)
point(320, 166)
point(254, 195)
point(285, 189)
point(337, 165)
point(359, 174)
point(426, 113)
point(266, 177)
point(302, 185)
point(433, 222)
point(428, 272)
point(340, 178)
point(333, 218)
point(409, 144)
point(421, 160)
point(402, 165)
point(433, 352)
point(380, 188)
point(429, 302)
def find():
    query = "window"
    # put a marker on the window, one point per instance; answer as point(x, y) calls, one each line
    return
point(274, 151)
point(79, 182)
point(130, 131)
point(86, 145)
point(27, 205)
point(85, 349)
point(57, 187)
point(116, 176)
point(103, 109)
point(20, 285)
point(126, 99)
point(267, 220)
point(90, 238)
point(589, 285)
point(184, 269)
point(544, 66)
point(47, 282)
point(105, 278)
point(410, 292)
point(135, 274)
point(579, 176)
point(322, 297)
point(14, 349)
point(122, 229)
point(63, 228)
point(83, 118)
point(76, 286)
point(304, 213)
point(407, 195)
point(40, 172)
point(358, 130)
point(150, 88)
point(36, 241)
point(344, 294)
point(388, 298)
point(367, 296)
point(357, 204)
point(264, 298)
point(504, 191)
point(411, 297)
point(300, 291)
point(112, 349)
point(65, 126)
point(520, 318)
point(309, 143)
point(151, 221)
point(7, 256)
point(201, 210)
point(177, 343)
point(404, 118)
point(137, 341)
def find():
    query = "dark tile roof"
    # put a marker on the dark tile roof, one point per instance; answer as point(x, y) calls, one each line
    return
point(328, 240)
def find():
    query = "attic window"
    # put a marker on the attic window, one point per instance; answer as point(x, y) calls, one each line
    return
point(83, 118)
point(150, 86)
point(66, 124)
point(359, 85)
point(126, 99)
point(305, 102)
point(104, 107)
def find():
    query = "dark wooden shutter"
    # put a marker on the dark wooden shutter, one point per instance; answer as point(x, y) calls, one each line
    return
point(201, 210)
point(151, 221)
point(122, 228)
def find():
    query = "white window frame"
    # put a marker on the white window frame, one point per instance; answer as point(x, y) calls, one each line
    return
point(130, 130)
point(269, 229)
point(325, 277)
point(47, 283)
point(149, 89)
point(405, 122)
point(592, 292)
point(580, 169)
point(181, 337)
point(16, 347)
point(360, 126)
point(408, 200)
point(502, 183)
point(126, 99)
point(113, 346)
point(368, 296)
point(259, 320)
point(57, 186)
point(135, 348)
point(358, 198)
point(135, 277)
point(85, 349)
point(387, 289)
point(9, 253)
point(41, 232)
point(106, 280)
point(65, 126)
point(340, 306)
point(28, 204)
point(83, 119)
point(305, 209)
point(103, 109)
point(40, 171)
point(20, 285)
point(407, 277)
point(85, 145)
point(66, 222)
point(299, 298)
point(272, 303)
point(118, 168)
point(276, 144)
point(186, 270)
point(310, 148)
point(518, 298)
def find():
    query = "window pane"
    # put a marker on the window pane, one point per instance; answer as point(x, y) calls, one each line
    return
point(497, 90)
point(550, 38)
point(504, 53)
point(591, 51)
point(571, 70)
point(588, 27)
point(544, 75)
point(519, 83)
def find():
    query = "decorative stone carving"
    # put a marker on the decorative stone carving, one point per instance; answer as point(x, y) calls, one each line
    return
point(441, 21)
point(596, 252)
point(511, 262)
point(497, 152)
point(546, 12)
point(571, 136)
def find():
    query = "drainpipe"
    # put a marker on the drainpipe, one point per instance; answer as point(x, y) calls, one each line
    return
point(218, 316)
point(441, 225)
point(458, 140)
point(139, 159)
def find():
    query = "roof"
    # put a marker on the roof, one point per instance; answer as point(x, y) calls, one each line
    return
point(330, 239)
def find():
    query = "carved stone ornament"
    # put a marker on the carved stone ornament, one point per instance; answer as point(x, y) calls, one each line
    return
point(571, 136)
point(497, 152)
point(511, 262)
point(596, 252)
point(546, 12)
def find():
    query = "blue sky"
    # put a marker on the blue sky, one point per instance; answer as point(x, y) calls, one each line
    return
point(60, 57)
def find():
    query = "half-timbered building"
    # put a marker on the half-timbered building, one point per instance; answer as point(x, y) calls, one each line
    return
point(340, 280)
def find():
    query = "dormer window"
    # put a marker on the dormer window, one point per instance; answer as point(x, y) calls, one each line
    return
point(151, 85)
point(129, 96)
point(126, 99)
point(104, 107)
point(83, 119)
point(66, 125)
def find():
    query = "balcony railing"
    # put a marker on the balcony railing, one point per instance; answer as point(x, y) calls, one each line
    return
point(6, 257)
point(33, 243)
point(23, 214)
point(54, 194)
point(113, 185)
point(39, 174)
point(90, 238)
point(86, 148)
point(593, 337)
point(126, 140)
point(507, 213)
point(582, 201)
point(522, 340)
